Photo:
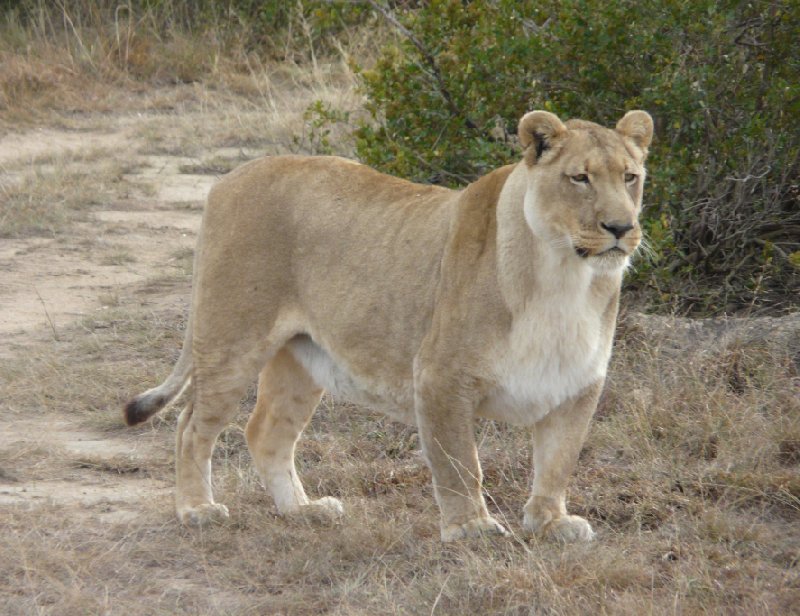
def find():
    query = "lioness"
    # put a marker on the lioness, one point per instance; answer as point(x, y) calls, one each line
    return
point(432, 305)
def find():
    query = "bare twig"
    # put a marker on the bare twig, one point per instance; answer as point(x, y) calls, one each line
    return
point(439, 596)
point(47, 314)
point(68, 20)
point(429, 59)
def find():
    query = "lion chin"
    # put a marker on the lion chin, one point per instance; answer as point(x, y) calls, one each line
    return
point(606, 261)
point(433, 306)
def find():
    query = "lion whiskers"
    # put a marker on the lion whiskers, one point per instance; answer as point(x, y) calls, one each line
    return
point(643, 255)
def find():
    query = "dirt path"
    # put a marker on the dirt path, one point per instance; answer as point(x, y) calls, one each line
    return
point(49, 284)
point(52, 282)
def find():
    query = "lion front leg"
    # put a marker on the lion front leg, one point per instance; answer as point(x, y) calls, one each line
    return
point(557, 442)
point(445, 418)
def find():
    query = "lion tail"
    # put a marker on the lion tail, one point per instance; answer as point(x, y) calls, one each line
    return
point(145, 405)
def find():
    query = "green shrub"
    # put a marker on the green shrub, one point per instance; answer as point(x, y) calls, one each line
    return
point(720, 78)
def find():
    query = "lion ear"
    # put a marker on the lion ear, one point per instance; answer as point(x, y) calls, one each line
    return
point(637, 125)
point(538, 129)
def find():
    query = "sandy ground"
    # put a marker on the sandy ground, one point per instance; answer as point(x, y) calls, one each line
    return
point(47, 284)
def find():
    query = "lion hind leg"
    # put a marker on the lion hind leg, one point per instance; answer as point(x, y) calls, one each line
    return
point(214, 401)
point(287, 398)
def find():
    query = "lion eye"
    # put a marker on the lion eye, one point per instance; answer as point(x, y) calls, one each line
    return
point(581, 178)
point(630, 178)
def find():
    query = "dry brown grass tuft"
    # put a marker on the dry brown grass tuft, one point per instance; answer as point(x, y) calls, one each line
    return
point(46, 196)
point(84, 57)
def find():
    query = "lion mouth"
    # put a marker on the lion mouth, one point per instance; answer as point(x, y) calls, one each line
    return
point(614, 251)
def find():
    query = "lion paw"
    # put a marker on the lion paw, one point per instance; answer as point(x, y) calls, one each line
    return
point(327, 505)
point(567, 529)
point(203, 515)
point(323, 509)
point(473, 528)
point(570, 529)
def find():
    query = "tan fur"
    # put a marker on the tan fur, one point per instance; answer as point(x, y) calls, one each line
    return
point(434, 306)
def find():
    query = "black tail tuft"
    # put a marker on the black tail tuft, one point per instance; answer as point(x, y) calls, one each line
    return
point(142, 408)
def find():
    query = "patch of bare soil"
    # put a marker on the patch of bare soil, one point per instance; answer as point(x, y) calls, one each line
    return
point(99, 477)
point(49, 284)
point(136, 247)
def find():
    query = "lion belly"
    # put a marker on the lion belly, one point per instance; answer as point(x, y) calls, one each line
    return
point(395, 399)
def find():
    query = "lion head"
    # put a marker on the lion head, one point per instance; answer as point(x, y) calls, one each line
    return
point(585, 184)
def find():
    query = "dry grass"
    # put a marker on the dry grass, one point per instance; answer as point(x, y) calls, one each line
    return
point(77, 57)
point(274, 123)
point(693, 488)
point(64, 57)
point(47, 195)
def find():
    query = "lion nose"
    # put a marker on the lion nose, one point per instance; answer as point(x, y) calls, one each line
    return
point(617, 229)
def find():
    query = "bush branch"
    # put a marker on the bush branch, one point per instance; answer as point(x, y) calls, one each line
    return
point(427, 57)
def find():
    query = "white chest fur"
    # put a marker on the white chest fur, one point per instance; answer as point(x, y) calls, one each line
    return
point(557, 346)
